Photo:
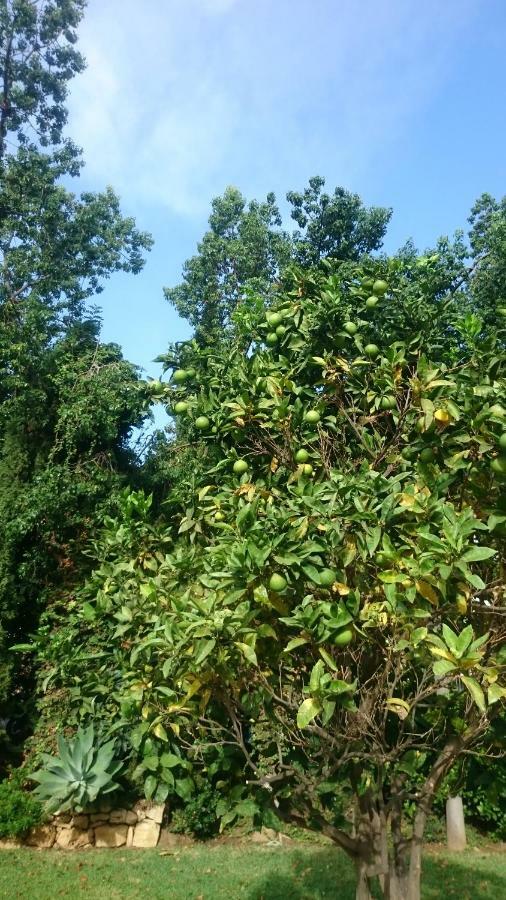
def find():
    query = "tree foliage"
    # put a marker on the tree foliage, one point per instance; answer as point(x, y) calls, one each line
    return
point(245, 250)
point(329, 611)
point(336, 225)
point(68, 403)
point(37, 58)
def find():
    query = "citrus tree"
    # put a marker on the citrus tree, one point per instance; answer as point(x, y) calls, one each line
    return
point(322, 621)
point(339, 618)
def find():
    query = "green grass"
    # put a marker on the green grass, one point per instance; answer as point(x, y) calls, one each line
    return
point(223, 872)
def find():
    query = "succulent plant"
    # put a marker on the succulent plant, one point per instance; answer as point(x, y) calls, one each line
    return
point(83, 771)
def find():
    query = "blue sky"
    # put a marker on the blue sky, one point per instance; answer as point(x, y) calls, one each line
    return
point(400, 101)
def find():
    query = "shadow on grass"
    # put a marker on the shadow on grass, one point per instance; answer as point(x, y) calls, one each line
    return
point(317, 876)
point(329, 875)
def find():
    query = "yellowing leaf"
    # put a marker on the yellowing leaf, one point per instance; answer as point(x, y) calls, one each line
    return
point(444, 654)
point(193, 688)
point(244, 489)
point(308, 710)
point(475, 691)
point(428, 592)
point(247, 651)
point(398, 706)
point(342, 589)
point(274, 464)
point(442, 416)
point(160, 732)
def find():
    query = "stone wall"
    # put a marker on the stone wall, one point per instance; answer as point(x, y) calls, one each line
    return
point(137, 827)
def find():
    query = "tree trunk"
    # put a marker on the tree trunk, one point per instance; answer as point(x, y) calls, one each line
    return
point(363, 891)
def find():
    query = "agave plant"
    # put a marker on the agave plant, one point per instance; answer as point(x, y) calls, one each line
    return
point(84, 769)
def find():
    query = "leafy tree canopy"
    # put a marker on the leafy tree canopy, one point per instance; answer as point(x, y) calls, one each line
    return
point(245, 250)
point(329, 610)
point(37, 59)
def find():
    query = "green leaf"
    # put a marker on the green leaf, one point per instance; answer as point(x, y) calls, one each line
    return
point(470, 577)
point(451, 639)
point(443, 667)
point(372, 539)
point(328, 659)
point(475, 691)
point(185, 788)
point(477, 554)
point(294, 643)
point(418, 635)
point(203, 651)
point(316, 676)
point(150, 763)
point(337, 686)
point(247, 651)
point(495, 693)
point(391, 576)
point(150, 786)
point(308, 710)
point(464, 639)
point(170, 760)
point(311, 572)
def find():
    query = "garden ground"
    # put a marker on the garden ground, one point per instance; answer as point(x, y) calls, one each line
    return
point(221, 871)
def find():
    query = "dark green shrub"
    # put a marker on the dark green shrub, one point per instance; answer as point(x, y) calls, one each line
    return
point(19, 810)
point(198, 817)
point(482, 785)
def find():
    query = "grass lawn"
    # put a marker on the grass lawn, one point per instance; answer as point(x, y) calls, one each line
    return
point(218, 871)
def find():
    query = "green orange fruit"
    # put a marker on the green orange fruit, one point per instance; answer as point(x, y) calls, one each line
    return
point(371, 350)
point(301, 456)
point(327, 577)
point(240, 466)
point(271, 339)
point(426, 455)
point(281, 331)
point(180, 376)
point(307, 469)
point(277, 583)
point(343, 637)
point(498, 465)
point(380, 287)
point(312, 417)
point(350, 328)
point(202, 423)
point(371, 302)
point(218, 516)
point(388, 402)
point(181, 407)
point(274, 319)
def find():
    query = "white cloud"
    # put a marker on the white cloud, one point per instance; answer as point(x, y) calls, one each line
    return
point(179, 100)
